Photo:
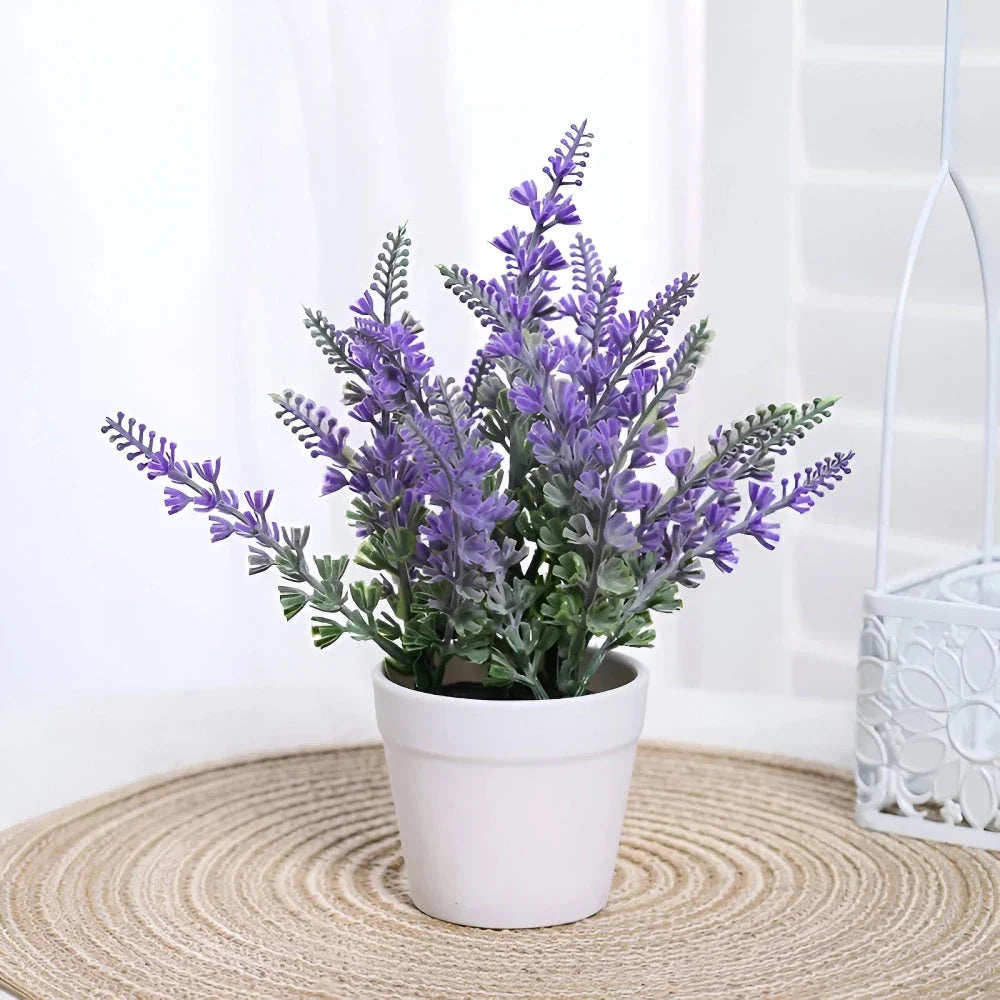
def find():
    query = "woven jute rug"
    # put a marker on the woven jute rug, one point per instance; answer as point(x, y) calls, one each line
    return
point(280, 877)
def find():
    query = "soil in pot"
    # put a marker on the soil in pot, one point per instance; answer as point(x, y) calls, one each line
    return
point(488, 692)
point(480, 692)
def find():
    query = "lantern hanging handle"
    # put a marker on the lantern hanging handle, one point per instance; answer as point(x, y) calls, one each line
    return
point(946, 170)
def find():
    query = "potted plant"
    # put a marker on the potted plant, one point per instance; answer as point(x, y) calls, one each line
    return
point(511, 546)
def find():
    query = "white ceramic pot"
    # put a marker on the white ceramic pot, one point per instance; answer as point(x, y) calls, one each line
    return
point(510, 812)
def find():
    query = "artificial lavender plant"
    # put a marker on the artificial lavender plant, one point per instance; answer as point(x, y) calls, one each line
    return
point(506, 521)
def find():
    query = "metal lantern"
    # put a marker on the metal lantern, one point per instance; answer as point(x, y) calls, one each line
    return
point(928, 678)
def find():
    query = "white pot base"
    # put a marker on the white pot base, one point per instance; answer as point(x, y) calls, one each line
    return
point(510, 812)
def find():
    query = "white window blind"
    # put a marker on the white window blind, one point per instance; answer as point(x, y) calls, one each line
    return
point(820, 144)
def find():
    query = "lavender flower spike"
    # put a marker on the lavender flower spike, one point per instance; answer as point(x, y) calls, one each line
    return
point(532, 518)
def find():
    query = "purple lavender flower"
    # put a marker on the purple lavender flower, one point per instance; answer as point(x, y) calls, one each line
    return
point(679, 462)
point(176, 500)
point(527, 398)
point(526, 193)
point(507, 521)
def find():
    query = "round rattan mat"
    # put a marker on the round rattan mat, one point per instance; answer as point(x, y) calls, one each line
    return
point(280, 877)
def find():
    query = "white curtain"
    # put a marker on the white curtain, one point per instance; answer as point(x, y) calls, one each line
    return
point(176, 179)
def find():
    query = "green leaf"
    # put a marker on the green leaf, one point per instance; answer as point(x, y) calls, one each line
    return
point(519, 637)
point(562, 608)
point(361, 629)
point(500, 599)
point(550, 636)
point(571, 568)
point(329, 598)
point(500, 673)
point(326, 632)
point(366, 595)
point(420, 633)
point(469, 619)
point(477, 651)
point(579, 531)
point(370, 555)
point(292, 601)
point(638, 631)
point(559, 492)
point(288, 566)
point(388, 628)
point(400, 544)
point(259, 561)
point(330, 569)
point(530, 522)
point(603, 616)
point(666, 600)
point(614, 577)
point(550, 537)
point(295, 539)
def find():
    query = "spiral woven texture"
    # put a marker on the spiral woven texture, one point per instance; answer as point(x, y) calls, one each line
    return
point(280, 877)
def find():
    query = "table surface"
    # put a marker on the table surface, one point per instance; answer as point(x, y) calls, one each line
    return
point(51, 757)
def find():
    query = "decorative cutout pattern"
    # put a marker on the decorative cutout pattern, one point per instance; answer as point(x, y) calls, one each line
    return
point(928, 722)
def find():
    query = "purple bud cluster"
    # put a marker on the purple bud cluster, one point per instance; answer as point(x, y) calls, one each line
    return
point(506, 518)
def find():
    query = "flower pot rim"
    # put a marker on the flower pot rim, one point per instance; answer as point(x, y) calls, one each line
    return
point(640, 677)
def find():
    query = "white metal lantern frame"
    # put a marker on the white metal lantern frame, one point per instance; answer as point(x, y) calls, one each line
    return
point(928, 678)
